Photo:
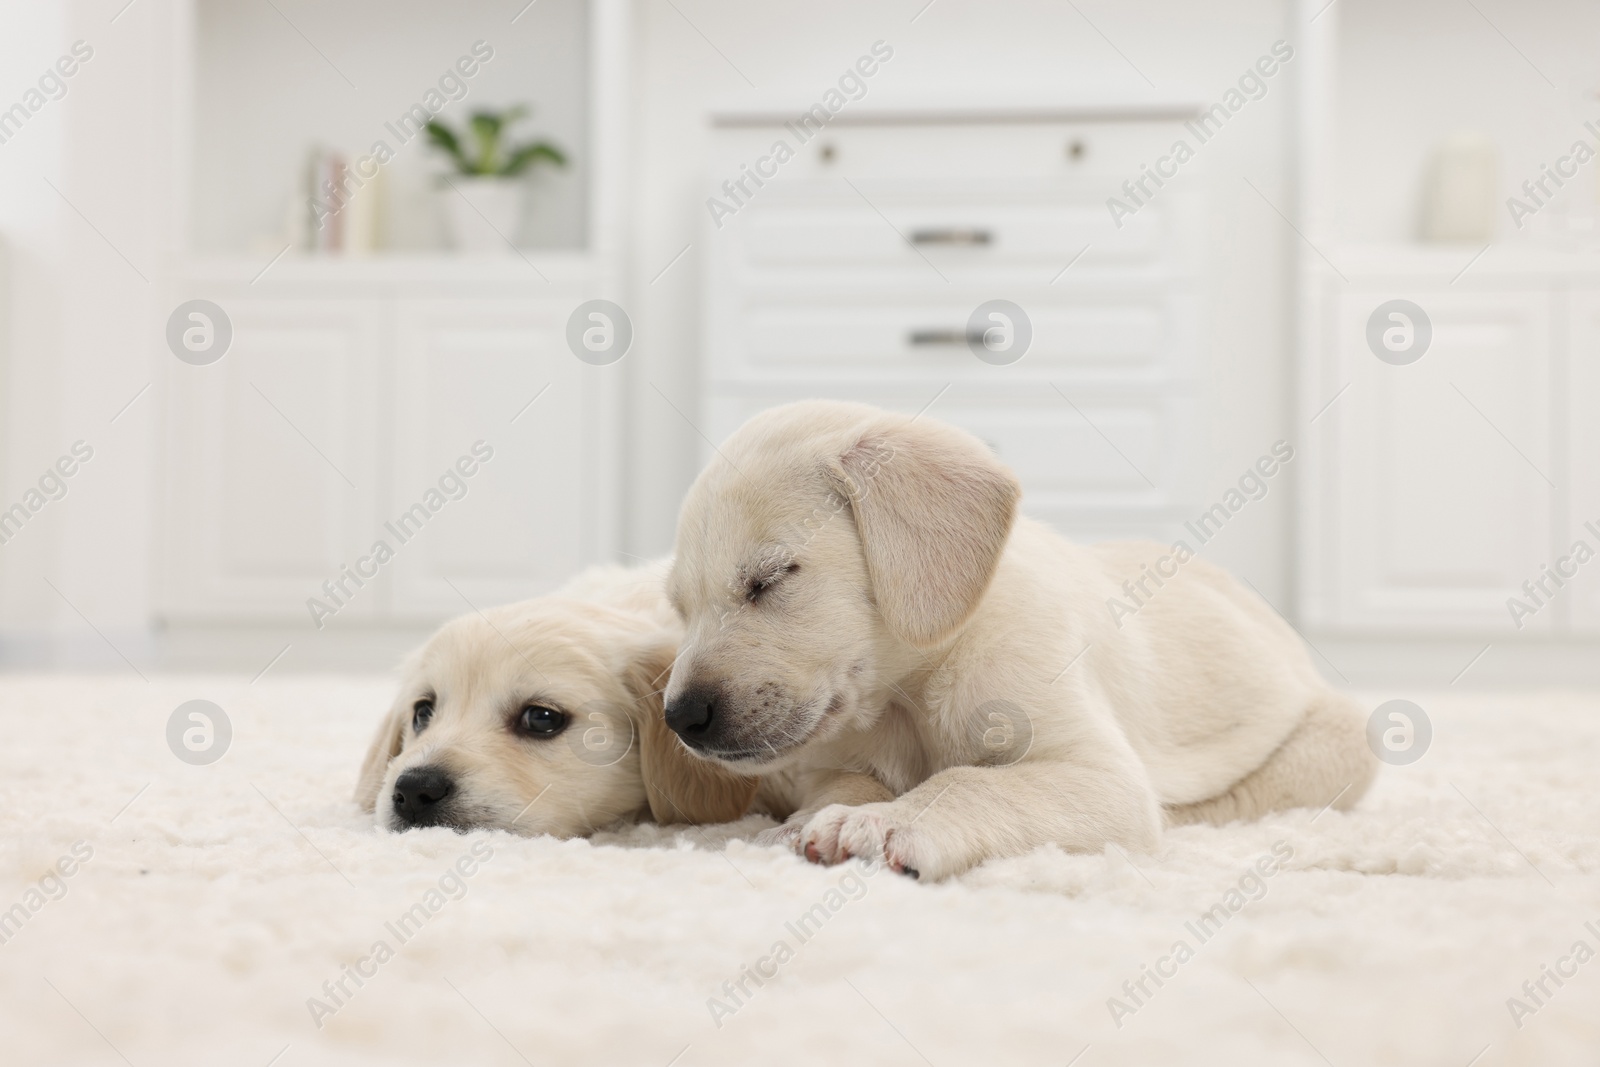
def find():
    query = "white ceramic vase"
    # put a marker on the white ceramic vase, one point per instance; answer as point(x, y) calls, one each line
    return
point(484, 214)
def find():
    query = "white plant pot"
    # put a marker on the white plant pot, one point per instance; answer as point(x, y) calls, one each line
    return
point(485, 214)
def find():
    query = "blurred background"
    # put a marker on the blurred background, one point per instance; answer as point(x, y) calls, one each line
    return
point(1312, 286)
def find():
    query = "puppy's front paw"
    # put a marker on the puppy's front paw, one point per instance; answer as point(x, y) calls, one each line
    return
point(872, 832)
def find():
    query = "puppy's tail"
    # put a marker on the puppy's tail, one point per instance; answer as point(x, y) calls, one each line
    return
point(1325, 760)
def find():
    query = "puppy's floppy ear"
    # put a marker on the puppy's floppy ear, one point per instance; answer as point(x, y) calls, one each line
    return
point(933, 508)
point(385, 747)
point(679, 786)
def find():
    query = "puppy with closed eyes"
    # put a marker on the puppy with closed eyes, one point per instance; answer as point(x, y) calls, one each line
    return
point(867, 612)
point(545, 717)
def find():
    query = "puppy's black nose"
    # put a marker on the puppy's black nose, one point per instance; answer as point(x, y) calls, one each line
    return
point(691, 714)
point(419, 793)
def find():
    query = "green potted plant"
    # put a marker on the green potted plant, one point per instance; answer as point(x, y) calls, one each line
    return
point(485, 206)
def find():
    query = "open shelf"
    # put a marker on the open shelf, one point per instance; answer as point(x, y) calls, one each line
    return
point(270, 82)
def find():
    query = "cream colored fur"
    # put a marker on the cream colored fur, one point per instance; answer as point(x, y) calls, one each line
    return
point(599, 650)
point(940, 681)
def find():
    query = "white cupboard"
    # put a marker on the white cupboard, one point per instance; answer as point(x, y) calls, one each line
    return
point(271, 457)
point(1436, 489)
point(1579, 411)
point(860, 271)
point(496, 371)
point(356, 411)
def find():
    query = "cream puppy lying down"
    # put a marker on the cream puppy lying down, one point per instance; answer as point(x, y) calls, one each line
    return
point(943, 680)
point(544, 717)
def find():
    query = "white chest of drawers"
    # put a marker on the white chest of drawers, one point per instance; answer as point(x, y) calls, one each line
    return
point(852, 274)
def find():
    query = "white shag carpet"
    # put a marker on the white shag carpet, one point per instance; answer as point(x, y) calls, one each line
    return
point(224, 897)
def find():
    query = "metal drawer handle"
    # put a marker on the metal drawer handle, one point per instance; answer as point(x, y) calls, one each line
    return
point(951, 236)
point(944, 337)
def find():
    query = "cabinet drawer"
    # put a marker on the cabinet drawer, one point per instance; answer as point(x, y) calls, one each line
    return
point(1129, 336)
point(961, 236)
point(1090, 453)
point(1089, 457)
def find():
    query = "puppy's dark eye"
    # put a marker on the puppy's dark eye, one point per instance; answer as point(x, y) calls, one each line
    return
point(538, 721)
point(421, 712)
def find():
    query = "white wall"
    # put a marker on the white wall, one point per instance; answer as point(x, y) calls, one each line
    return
point(78, 305)
point(27, 217)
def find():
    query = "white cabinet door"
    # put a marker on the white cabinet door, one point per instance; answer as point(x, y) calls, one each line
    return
point(1582, 521)
point(468, 371)
point(1441, 471)
point(271, 460)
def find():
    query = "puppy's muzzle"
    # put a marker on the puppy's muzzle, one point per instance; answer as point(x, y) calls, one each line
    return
point(421, 795)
